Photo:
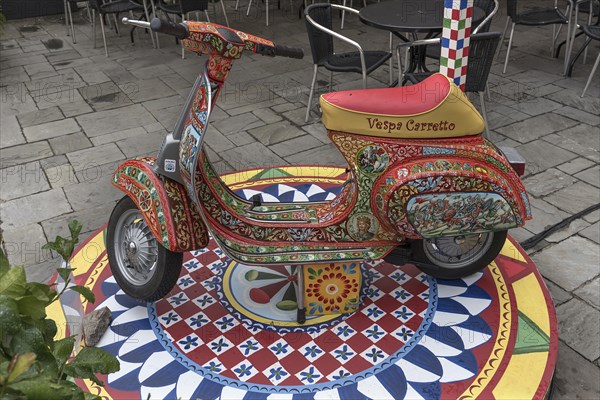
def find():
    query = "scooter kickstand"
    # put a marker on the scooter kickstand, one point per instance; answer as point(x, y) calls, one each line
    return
point(301, 314)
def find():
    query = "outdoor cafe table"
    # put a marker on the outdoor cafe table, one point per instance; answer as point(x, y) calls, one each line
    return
point(410, 17)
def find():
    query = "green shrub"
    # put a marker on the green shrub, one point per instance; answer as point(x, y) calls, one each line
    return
point(32, 364)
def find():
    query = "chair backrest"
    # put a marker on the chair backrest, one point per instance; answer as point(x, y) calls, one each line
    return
point(481, 55)
point(193, 5)
point(186, 6)
point(95, 4)
point(321, 43)
point(487, 6)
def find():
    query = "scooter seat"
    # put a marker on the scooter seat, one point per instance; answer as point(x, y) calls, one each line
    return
point(434, 108)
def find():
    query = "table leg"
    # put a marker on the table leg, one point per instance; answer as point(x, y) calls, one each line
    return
point(413, 64)
point(391, 58)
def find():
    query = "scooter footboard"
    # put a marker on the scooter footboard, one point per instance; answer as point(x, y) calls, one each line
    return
point(448, 198)
point(165, 205)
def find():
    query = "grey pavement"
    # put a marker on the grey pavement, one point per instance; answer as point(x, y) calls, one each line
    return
point(69, 115)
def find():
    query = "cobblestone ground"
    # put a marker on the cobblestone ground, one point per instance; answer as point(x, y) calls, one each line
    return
point(70, 115)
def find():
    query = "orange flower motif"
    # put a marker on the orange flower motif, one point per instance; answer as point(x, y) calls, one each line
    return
point(332, 288)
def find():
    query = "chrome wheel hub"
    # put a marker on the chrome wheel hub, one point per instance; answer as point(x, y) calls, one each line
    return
point(137, 250)
point(458, 251)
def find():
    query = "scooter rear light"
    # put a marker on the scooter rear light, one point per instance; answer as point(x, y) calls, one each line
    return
point(515, 159)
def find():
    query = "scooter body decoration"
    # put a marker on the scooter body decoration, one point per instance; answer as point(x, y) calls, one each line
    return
point(164, 204)
point(419, 145)
point(469, 165)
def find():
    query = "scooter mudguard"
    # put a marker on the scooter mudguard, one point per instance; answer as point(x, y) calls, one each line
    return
point(165, 205)
point(452, 196)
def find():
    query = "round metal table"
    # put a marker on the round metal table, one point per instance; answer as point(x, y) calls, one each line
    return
point(424, 16)
point(411, 17)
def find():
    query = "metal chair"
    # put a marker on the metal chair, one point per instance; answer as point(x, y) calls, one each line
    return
point(237, 3)
point(593, 33)
point(482, 48)
point(535, 17)
point(69, 16)
point(115, 8)
point(589, 7)
point(183, 8)
point(344, 12)
point(320, 35)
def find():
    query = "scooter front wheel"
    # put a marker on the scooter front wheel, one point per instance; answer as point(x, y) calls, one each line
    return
point(454, 257)
point(142, 267)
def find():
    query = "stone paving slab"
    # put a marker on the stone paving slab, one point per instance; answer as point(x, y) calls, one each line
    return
point(73, 114)
point(23, 180)
point(590, 293)
point(576, 379)
point(37, 117)
point(34, 208)
point(579, 327)
point(569, 272)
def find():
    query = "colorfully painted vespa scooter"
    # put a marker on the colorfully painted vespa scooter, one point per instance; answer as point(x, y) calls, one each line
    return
point(422, 184)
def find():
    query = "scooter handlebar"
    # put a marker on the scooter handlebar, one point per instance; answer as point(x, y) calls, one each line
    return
point(279, 50)
point(179, 30)
point(291, 52)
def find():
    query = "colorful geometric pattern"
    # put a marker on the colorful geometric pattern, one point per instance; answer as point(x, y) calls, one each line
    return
point(489, 335)
point(195, 321)
point(456, 35)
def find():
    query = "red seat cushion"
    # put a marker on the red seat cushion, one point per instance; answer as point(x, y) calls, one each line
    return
point(399, 101)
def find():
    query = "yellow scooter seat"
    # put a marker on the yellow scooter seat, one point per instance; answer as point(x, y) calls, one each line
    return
point(433, 108)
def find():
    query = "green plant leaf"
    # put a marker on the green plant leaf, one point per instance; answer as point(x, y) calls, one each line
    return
point(41, 291)
point(4, 264)
point(91, 361)
point(22, 364)
point(89, 396)
point(64, 273)
point(50, 330)
point(59, 246)
point(4, 371)
point(63, 349)
point(13, 282)
point(10, 320)
point(68, 249)
point(47, 389)
point(75, 228)
point(32, 306)
point(85, 292)
point(31, 339)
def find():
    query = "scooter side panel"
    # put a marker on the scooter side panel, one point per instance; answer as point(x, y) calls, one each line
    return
point(450, 196)
point(451, 214)
point(170, 214)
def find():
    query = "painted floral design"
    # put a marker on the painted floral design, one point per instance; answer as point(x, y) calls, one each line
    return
point(333, 288)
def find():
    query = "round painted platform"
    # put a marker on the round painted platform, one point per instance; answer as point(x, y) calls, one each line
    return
point(226, 331)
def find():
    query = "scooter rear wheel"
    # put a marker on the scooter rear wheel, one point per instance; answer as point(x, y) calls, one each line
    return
point(142, 267)
point(458, 256)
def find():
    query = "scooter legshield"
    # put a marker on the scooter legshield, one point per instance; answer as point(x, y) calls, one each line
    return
point(165, 205)
point(450, 196)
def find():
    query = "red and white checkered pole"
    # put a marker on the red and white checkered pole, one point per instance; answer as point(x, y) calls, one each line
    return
point(455, 40)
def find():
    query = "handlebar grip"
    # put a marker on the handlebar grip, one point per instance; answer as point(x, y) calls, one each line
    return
point(179, 30)
point(291, 52)
point(278, 50)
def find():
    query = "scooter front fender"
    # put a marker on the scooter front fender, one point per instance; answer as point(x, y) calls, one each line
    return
point(436, 197)
point(165, 205)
